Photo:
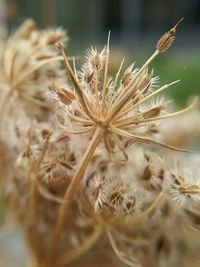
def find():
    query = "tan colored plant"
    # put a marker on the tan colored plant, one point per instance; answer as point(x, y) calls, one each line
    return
point(78, 175)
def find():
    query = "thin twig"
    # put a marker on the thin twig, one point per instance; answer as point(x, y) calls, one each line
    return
point(104, 91)
point(121, 101)
point(3, 102)
point(73, 186)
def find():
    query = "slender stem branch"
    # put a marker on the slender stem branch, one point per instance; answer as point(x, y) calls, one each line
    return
point(121, 101)
point(26, 74)
point(104, 91)
point(133, 120)
point(132, 106)
point(80, 93)
point(129, 260)
point(146, 140)
point(113, 95)
point(96, 89)
point(133, 222)
point(137, 220)
point(33, 198)
point(34, 182)
point(73, 185)
point(3, 101)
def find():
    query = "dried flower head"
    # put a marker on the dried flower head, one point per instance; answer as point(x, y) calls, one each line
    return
point(81, 173)
point(115, 113)
point(186, 187)
point(28, 63)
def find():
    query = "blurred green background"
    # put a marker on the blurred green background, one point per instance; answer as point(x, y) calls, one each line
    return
point(135, 27)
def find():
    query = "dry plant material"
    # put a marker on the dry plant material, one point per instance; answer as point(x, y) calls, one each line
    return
point(28, 62)
point(78, 167)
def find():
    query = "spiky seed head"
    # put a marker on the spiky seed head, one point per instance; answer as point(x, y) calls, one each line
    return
point(167, 39)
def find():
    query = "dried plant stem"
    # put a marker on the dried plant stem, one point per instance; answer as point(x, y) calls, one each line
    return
point(73, 186)
point(130, 121)
point(140, 218)
point(80, 93)
point(104, 91)
point(169, 115)
point(129, 261)
point(34, 185)
point(112, 95)
point(3, 101)
point(33, 237)
point(96, 90)
point(31, 71)
point(66, 258)
point(35, 101)
point(143, 216)
point(33, 199)
point(131, 106)
point(122, 99)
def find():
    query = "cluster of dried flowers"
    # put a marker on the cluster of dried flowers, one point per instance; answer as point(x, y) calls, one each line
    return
point(95, 163)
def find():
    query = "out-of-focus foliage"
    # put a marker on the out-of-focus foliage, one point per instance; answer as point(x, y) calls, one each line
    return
point(184, 68)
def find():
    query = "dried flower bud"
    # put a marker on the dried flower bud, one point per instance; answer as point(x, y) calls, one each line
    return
point(26, 28)
point(155, 111)
point(46, 133)
point(95, 60)
point(128, 76)
point(146, 82)
point(54, 36)
point(65, 96)
point(167, 39)
point(88, 77)
point(186, 188)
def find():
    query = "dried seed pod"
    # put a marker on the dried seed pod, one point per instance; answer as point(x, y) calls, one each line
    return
point(167, 39)
point(64, 95)
point(153, 112)
point(54, 36)
point(46, 133)
point(88, 77)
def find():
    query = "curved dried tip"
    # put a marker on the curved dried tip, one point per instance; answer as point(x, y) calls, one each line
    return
point(53, 37)
point(46, 133)
point(59, 46)
point(64, 95)
point(26, 28)
point(167, 39)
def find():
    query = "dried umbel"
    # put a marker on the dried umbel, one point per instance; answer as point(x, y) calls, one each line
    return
point(28, 62)
point(84, 175)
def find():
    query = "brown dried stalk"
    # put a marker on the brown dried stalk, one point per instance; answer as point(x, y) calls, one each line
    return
point(73, 185)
